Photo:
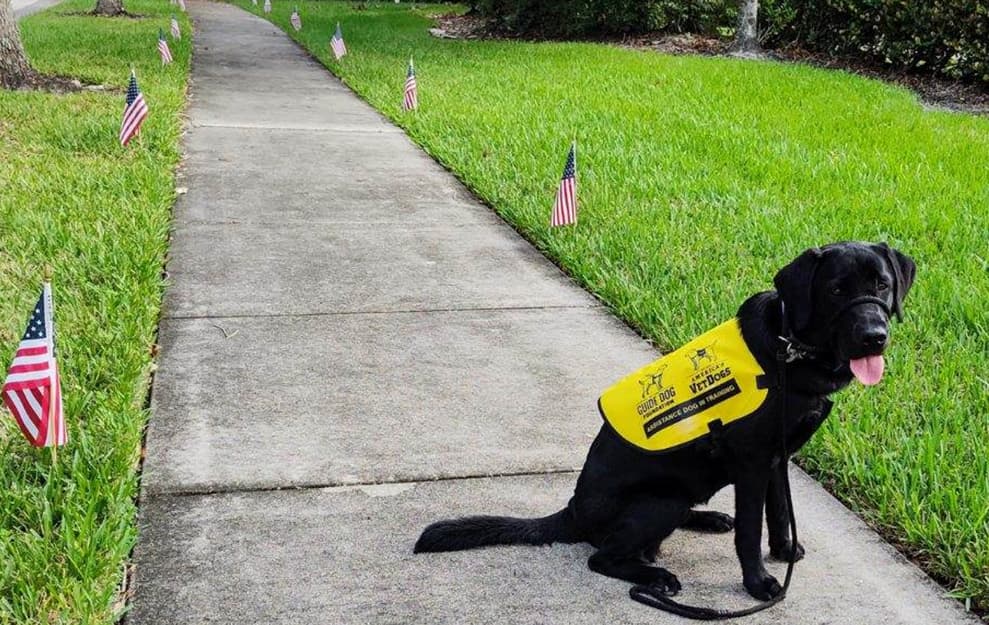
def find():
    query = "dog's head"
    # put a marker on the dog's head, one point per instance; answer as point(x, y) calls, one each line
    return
point(839, 298)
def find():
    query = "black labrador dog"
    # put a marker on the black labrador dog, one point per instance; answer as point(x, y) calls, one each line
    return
point(837, 302)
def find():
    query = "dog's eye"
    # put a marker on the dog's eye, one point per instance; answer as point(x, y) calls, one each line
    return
point(883, 286)
point(837, 291)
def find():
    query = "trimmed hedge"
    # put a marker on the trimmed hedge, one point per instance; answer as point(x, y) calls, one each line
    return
point(580, 18)
point(947, 36)
point(941, 36)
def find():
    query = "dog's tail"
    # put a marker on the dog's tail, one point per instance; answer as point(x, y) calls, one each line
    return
point(481, 531)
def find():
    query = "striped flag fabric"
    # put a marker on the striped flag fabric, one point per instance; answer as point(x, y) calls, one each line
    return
point(411, 101)
point(336, 43)
point(134, 113)
point(33, 391)
point(296, 20)
point(267, 6)
point(176, 31)
point(565, 207)
point(166, 54)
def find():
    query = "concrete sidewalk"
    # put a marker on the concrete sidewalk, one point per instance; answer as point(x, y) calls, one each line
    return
point(353, 347)
point(23, 8)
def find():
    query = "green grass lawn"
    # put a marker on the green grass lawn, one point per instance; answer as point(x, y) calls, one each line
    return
point(699, 178)
point(98, 213)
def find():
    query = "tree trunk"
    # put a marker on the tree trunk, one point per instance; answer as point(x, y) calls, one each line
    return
point(14, 68)
point(109, 7)
point(747, 36)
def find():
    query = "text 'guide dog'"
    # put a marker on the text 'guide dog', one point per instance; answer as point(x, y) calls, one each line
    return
point(708, 415)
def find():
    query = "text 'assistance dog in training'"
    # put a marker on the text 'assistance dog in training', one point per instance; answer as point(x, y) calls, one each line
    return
point(717, 412)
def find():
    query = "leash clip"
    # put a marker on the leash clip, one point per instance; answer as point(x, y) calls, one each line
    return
point(790, 351)
point(792, 348)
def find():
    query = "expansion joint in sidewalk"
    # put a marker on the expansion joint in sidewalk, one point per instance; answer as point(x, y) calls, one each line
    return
point(305, 129)
point(235, 490)
point(409, 311)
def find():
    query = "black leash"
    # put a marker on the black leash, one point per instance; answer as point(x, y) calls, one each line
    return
point(654, 597)
point(651, 596)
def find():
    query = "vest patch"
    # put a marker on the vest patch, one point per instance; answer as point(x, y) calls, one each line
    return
point(673, 400)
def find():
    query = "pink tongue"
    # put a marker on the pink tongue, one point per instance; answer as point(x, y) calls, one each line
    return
point(868, 370)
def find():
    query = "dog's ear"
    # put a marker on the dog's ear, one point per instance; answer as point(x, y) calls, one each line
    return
point(904, 270)
point(794, 283)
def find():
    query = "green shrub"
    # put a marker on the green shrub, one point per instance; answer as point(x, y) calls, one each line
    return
point(947, 36)
point(942, 36)
point(570, 18)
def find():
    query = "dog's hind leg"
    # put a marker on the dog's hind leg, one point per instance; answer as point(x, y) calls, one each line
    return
point(637, 531)
point(709, 521)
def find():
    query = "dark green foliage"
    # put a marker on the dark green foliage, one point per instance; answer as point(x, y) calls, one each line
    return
point(942, 36)
point(948, 36)
point(568, 18)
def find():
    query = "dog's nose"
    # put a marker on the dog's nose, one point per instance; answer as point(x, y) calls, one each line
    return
point(875, 338)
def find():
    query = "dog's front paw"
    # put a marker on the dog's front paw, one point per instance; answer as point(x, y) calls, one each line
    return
point(782, 552)
point(665, 582)
point(763, 588)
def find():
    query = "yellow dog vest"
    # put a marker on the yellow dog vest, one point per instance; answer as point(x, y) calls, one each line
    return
point(674, 400)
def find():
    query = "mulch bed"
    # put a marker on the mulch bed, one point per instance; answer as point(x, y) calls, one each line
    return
point(462, 27)
point(57, 84)
point(54, 84)
point(133, 16)
point(934, 91)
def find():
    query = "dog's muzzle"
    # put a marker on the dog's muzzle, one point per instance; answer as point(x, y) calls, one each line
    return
point(859, 301)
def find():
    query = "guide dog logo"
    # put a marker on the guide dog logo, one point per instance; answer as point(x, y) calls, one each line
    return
point(652, 380)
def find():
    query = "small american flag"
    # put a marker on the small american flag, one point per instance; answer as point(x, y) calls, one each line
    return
point(32, 390)
point(182, 4)
point(176, 31)
point(166, 54)
point(267, 6)
point(296, 20)
point(565, 207)
point(411, 101)
point(336, 43)
point(134, 113)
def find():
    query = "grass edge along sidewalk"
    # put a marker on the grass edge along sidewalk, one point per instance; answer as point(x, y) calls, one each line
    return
point(710, 172)
point(99, 215)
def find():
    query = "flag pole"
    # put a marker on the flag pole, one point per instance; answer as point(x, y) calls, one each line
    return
point(51, 392)
point(573, 146)
point(140, 137)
